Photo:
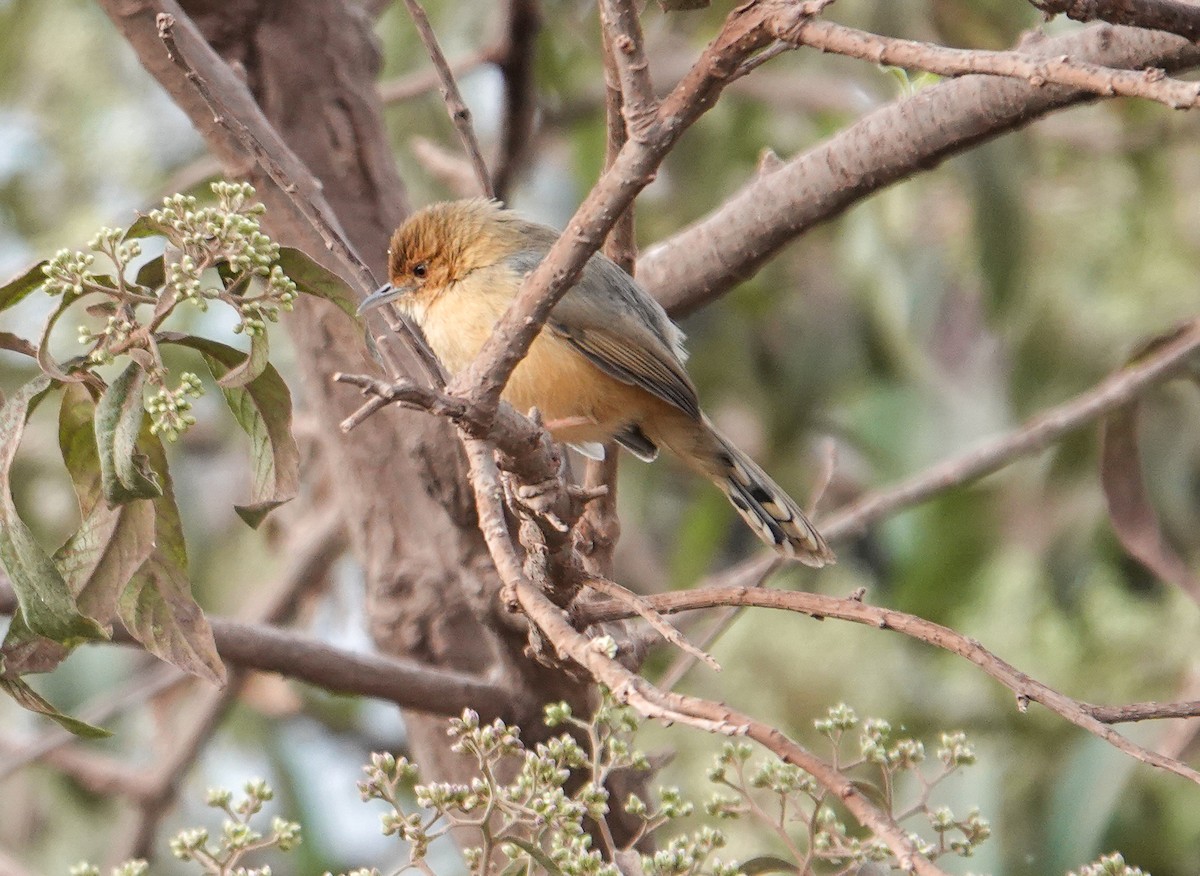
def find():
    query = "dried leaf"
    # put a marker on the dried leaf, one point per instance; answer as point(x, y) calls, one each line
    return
point(1130, 509)
point(113, 541)
point(125, 474)
point(27, 698)
point(19, 287)
point(24, 651)
point(47, 604)
point(263, 408)
point(157, 605)
point(314, 279)
point(249, 368)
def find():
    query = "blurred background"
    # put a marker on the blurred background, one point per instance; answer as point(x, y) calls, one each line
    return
point(946, 309)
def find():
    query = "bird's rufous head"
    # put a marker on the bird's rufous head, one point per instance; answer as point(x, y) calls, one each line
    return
point(441, 244)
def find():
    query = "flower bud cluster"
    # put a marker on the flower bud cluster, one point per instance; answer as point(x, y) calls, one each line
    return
point(68, 273)
point(238, 835)
point(1109, 865)
point(116, 331)
point(170, 417)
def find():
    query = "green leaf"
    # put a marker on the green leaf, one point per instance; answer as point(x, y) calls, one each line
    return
point(113, 541)
point(767, 864)
point(314, 279)
point(27, 698)
point(153, 274)
point(46, 602)
point(679, 5)
point(263, 408)
point(144, 226)
point(19, 287)
point(157, 605)
point(251, 367)
point(124, 472)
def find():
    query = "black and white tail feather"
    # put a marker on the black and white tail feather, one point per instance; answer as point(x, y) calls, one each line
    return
point(771, 512)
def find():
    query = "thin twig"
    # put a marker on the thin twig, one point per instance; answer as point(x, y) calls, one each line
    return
point(1035, 435)
point(1026, 688)
point(641, 608)
point(1151, 84)
point(304, 204)
point(460, 115)
point(653, 703)
point(625, 54)
point(756, 576)
point(412, 85)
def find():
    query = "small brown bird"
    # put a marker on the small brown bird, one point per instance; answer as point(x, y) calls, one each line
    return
point(607, 366)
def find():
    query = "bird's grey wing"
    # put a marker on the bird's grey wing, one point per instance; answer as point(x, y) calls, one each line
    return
point(621, 330)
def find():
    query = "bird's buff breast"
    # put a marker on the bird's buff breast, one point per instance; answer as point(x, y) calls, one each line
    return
point(577, 400)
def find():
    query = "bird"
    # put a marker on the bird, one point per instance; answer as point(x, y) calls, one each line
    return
point(608, 365)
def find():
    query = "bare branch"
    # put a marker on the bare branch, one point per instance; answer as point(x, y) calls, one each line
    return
point(625, 53)
point(1151, 84)
point(651, 702)
point(708, 258)
point(1038, 433)
point(819, 605)
point(484, 380)
point(406, 683)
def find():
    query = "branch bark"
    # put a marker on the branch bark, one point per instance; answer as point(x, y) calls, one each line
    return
point(707, 259)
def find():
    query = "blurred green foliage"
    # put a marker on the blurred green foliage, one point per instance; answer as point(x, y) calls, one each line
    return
point(947, 309)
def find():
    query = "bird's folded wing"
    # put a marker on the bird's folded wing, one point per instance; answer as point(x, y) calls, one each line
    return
point(633, 360)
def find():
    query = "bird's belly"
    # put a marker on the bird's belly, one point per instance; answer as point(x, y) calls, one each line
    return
point(578, 401)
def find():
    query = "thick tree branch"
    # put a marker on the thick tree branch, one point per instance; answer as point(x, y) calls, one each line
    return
point(1169, 15)
point(708, 258)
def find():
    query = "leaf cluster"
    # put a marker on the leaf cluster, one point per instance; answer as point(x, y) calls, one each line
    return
point(127, 561)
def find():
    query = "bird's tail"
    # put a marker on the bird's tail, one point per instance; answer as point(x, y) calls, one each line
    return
point(771, 513)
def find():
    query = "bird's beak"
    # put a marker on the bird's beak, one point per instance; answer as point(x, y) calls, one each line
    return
point(385, 293)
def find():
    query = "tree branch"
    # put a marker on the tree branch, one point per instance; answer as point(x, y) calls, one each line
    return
point(634, 167)
point(854, 610)
point(711, 256)
point(1038, 433)
point(1169, 15)
point(1038, 71)
point(460, 115)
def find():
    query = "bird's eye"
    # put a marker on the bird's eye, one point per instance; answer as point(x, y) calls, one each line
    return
point(420, 269)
